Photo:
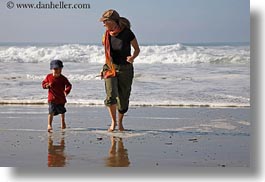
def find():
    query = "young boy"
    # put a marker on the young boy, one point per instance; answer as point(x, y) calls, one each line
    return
point(58, 88)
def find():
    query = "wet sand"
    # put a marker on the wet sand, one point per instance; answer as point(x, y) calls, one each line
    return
point(156, 137)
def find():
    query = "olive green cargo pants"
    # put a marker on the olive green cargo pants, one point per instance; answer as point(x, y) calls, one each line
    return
point(118, 89)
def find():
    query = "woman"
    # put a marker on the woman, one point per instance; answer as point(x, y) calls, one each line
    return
point(118, 70)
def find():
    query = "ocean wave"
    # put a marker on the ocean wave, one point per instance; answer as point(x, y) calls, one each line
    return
point(68, 53)
point(72, 77)
point(164, 54)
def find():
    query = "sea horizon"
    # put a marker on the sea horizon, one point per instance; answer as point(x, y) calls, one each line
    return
point(225, 43)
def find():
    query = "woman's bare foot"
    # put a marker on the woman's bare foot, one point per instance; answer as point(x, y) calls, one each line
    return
point(112, 127)
point(49, 128)
point(121, 128)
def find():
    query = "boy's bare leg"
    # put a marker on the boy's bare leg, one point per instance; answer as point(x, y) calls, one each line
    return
point(50, 118)
point(112, 112)
point(63, 125)
point(120, 125)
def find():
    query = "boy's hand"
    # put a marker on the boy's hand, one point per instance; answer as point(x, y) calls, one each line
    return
point(48, 85)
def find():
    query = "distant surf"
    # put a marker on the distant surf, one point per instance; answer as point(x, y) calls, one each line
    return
point(181, 75)
point(150, 54)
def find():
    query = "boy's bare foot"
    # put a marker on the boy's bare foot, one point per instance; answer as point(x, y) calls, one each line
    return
point(112, 127)
point(49, 128)
point(63, 125)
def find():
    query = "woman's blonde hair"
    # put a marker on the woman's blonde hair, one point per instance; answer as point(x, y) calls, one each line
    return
point(124, 23)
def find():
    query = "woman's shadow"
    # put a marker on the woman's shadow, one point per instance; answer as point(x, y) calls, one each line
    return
point(118, 155)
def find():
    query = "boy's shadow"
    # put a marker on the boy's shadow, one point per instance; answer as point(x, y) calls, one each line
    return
point(118, 155)
point(56, 155)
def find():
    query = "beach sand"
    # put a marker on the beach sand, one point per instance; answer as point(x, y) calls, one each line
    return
point(156, 137)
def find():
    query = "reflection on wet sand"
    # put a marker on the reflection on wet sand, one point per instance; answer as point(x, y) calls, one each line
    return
point(56, 155)
point(118, 155)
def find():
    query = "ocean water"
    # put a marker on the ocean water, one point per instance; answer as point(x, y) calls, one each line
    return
point(210, 75)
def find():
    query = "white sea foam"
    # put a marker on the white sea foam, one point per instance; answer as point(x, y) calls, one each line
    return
point(171, 54)
point(219, 125)
point(208, 127)
point(127, 134)
point(246, 123)
point(168, 75)
point(68, 53)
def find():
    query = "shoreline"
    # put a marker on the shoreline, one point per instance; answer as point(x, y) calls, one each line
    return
point(16, 103)
point(160, 137)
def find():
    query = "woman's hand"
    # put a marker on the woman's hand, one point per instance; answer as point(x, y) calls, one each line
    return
point(136, 52)
point(101, 74)
point(130, 59)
